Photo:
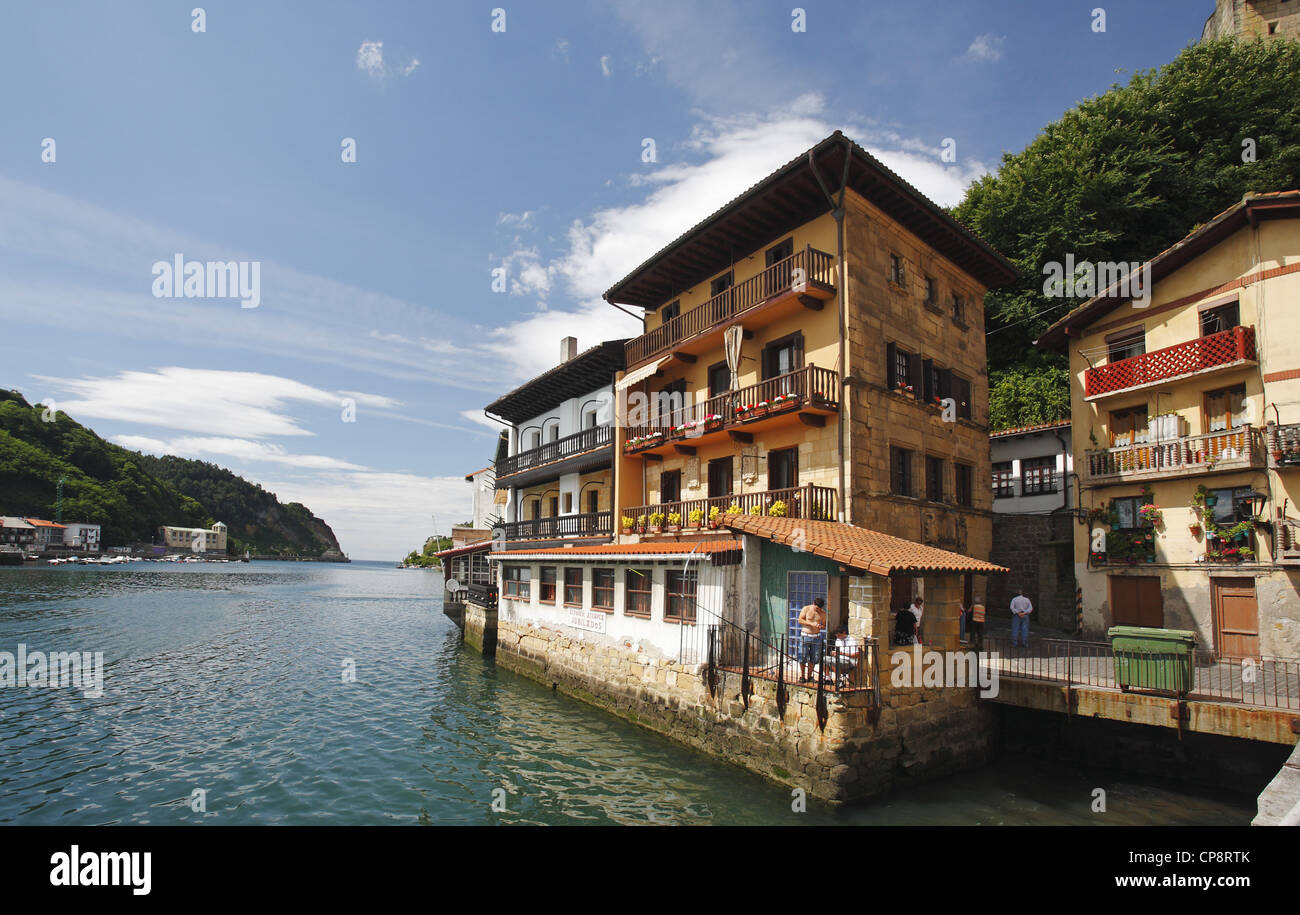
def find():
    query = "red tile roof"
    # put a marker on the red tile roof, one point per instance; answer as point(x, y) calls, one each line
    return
point(41, 522)
point(1024, 430)
point(642, 550)
point(469, 548)
point(857, 547)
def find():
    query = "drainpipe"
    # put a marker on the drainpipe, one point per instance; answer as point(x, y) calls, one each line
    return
point(837, 213)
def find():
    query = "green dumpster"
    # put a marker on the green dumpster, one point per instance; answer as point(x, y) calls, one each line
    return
point(1148, 658)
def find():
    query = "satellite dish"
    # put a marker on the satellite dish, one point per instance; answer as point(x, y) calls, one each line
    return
point(453, 584)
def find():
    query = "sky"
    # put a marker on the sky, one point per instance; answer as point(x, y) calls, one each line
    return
point(371, 164)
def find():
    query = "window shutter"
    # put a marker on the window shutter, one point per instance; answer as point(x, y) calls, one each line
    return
point(914, 371)
point(927, 375)
point(891, 366)
point(945, 382)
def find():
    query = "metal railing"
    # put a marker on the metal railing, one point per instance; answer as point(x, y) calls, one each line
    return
point(817, 267)
point(808, 501)
point(1185, 454)
point(582, 524)
point(568, 446)
point(1263, 683)
point(809, 386)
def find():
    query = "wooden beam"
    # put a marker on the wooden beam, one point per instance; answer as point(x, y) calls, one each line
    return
point(811, 302)
point(812, 419)
point(685, 357)
point(684, 449)
point(744, 438)
point(653, 458)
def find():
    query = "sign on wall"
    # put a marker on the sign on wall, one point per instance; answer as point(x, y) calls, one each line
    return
point(591, 620)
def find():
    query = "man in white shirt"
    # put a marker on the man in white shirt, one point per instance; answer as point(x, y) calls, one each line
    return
point(917, 608)
point(1020, 610)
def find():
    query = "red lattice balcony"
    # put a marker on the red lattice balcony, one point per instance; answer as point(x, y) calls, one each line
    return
point(1232, 347)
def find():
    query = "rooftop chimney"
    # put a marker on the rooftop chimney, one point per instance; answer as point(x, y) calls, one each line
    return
point(568, 348)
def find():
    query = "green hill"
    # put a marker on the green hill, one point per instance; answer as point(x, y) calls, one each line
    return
point(131, 494)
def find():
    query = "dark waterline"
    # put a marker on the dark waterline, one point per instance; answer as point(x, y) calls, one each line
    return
point(229, 678)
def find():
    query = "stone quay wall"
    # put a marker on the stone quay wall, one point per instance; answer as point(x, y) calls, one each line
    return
point(918, 733)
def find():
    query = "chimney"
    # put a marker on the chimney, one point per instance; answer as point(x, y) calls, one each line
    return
point(568, 348)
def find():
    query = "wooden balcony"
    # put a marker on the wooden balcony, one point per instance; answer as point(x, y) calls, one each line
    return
point(583, 524)
point(774, 292)
point(807, 501)
point(1188, 455)
point(1217, 352)
point(1284, 444)
point(807, 395)
point(570, 446)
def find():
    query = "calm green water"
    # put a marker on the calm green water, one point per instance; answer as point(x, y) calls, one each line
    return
point(229, 679)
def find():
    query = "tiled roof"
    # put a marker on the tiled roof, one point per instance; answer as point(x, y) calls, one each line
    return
point(856, 546)
point(1025, 430)
point(41, 522)
point(645, 550)
point(472, 474)
point(468, 548)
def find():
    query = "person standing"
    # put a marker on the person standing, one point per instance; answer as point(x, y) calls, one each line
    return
point(918, 608)
point(1021, 607)
point(975, 630)
point(812, 623)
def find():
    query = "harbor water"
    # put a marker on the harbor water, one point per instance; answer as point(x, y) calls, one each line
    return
point(303, 693)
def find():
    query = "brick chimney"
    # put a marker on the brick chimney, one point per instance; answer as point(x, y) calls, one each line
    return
point(568, 348)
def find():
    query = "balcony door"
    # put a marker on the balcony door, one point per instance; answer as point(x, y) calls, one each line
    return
point(720, 477)
point(778, 280)
point(720, 304)
point(669, 403)
point(1128, 427)
point(670, 486)
point(783, 468)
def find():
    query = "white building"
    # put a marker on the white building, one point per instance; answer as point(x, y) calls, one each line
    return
point(79, 536)
point(48, 533)
point(1032, 468)
point(195, 539)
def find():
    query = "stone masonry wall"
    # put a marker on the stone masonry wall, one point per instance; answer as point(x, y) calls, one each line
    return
point(1039, 552)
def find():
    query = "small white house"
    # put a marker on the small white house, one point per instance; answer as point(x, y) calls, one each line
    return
point(1032, 468)
point(81, 536)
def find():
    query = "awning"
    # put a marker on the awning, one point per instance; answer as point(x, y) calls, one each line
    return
point(640, 374)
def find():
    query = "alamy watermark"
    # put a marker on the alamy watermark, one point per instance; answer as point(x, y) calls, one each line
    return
point(1085, 279)
point(180, 278)
point(955, 669)
point(81, 670)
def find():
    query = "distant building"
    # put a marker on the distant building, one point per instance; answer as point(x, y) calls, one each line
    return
point(16, 534)
point(80, 536)
point(1253, 19)
point(184, 538)
point(48, 533)
point(1031, 468)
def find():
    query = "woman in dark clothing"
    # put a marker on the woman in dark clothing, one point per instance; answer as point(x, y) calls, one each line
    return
point(904, 628)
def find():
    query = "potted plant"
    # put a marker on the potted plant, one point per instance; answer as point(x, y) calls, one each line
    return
point(777, 509)
point(674, 520)
point(756, 509)
point(656, 522)
point(712, 421)
point(696, 517)
point(733, 508)
point(628, 524)
point(714, 514)
point(640, 524)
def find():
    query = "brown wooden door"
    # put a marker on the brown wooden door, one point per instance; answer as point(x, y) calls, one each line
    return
point(1236, 617)
point(1136, 601)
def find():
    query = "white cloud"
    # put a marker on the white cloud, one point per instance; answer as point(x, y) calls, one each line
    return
point(562, 48)
point(605, 69)
point(410, 67)
point(370, 59)
point(986, 48)
point(238, 448)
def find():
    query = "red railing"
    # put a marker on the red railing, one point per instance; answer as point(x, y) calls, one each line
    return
point(817, 266)
point(1233, 345)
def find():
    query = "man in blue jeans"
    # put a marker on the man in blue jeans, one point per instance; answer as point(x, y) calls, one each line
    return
point(1020, 610)
point(812, 625)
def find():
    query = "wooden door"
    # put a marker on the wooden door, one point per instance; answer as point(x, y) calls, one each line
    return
point(1135, 600)
point(1236, 617)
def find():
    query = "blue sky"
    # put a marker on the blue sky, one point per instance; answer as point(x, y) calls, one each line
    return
point(475, 150)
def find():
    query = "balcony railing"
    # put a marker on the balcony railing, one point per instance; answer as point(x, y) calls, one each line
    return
point(1284, 444)
point(584, 524)
point(809, 386)
point(1237, 344)
point(807, 501)
point(1188, 454)
point(818, 268)
point(577, 443)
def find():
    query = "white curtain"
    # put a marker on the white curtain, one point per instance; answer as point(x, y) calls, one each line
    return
point(731, 342)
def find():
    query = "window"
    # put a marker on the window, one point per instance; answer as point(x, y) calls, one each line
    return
point(602, 589)
point(515, 581)
point(680, 587)
point(1004, 485)
point(553, 432)
point(1125, 344)
point(636, 593)
point(902, 370)
point(963, 476)
point(958, 309)
point(1127, 511)
point(719, 379)
point(671, 310)
point(1038, 475)
point(896, 269)
point(783, 468)
point(900, 471)
point(546, 588)
point(782, 356)
point(568, 503)
point(961, 394)
point(593, 500)
point(555, 506)
point(937, 382)
point(720, 470)
point(1128, 427)
point(534, 439)
point(1225, 409)
point(670, 400)
point(535, 509)
point(721, 284)
point(1232, 506)
point(589, 419)
point(931, 291)
point(573, 587)
point(934, 478)
point(670, 486)
point(780, 252)
point(1220, 318)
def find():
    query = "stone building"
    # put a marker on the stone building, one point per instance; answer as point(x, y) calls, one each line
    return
point(1186, 435)
point(1253, 19)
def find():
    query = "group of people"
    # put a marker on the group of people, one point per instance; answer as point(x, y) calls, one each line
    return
point(908, 631)
point(812, 629)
